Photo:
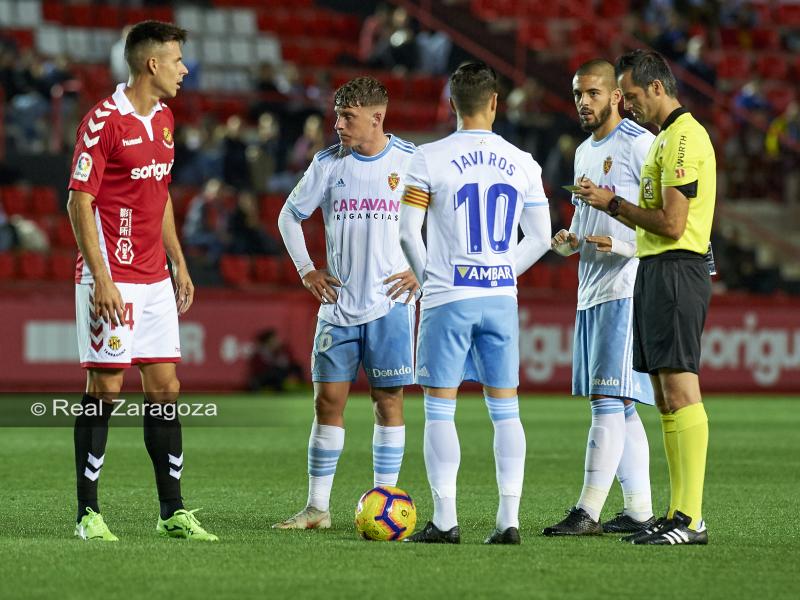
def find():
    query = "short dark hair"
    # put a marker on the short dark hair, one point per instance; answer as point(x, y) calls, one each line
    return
point(361, 91)
point(646, 66)
point(144, 35)
point(471, 86)
point(601, 68)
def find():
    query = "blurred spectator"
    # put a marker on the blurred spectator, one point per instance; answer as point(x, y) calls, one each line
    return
point(433, 51)
point(119, 67)
point(263, 152)
point(529, 119)
point(752, 115)
point(271, 364)
point(235, 170)
point(694, 61)
point(204, 228)
point(197, 157)
point(398, 51)
point(320, 91)
point(8, 237)
point(29, 236)
point(374, 33)
point(672, 38)
point(307, 145)
point(783, 135)
point(560, 162)
point(245, 232)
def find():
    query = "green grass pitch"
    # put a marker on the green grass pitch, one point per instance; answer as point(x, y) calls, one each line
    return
point(247, 477)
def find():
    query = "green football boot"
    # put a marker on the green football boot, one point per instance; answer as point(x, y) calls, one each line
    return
point(93, 527)
point(183, 524)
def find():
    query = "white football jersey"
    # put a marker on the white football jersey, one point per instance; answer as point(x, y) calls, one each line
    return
point(474, 185)
point(360, 201)
point(613, 163)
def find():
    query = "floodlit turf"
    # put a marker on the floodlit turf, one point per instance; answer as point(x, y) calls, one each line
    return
point(246, 478)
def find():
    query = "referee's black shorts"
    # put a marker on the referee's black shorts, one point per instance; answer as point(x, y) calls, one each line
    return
point(670, 303)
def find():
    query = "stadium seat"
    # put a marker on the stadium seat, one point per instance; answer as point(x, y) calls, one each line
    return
point(8, 266)
point(566, 276)
point(62, 235)
point(61, 266)
point(733, 65)
point(780, 97)
point(788, 15)
point(235, 270)
point(535, 35)
point(773, 66)
point(267, 269)
point(44, 201)
point(766, 38)
point(15, 200)
point(32, 266)
point(614, 9)
point(539, 276)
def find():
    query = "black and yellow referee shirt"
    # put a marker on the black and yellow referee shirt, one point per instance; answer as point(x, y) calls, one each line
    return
point(681, 156)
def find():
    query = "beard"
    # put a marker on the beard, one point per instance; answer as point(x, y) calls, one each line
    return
point(599, 122)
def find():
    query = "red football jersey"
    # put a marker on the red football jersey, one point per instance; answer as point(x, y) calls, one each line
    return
point(124, 160)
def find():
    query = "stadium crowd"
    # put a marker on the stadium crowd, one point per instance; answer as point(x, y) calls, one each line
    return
point(228, 163)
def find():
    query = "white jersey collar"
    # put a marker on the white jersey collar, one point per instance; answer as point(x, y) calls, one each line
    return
point(124, 105)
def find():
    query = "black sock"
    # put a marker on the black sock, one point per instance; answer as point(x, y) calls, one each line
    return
point(164, 443)
point(90, 436)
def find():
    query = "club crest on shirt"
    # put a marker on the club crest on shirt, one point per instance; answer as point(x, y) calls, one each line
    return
point(167, 138)
point(607, 165)
point(83, 168)
point(394, 180)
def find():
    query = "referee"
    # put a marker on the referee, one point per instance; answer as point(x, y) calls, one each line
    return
point(673, 285)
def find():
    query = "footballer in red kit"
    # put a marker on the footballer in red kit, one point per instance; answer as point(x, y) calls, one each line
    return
point(126, 307)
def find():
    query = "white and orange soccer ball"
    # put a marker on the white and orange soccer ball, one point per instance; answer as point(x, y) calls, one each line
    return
point(385, 514)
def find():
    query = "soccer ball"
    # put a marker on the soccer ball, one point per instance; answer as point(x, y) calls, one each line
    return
point(385, 514)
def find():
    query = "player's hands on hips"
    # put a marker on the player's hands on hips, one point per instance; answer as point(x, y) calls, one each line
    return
point(108, 302)
point(322, 286)
point(184, 289)
point(564, 237)
point(602, 242)
point(594, 196)
point(405, 283)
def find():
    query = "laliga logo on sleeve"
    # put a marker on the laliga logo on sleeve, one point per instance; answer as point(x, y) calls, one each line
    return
point(83, 168)
point(168, 142)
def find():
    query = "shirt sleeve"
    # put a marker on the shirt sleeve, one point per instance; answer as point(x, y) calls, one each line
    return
point(681, 159)
point(417, 193)
point(534, 195)
point(309, 192)
point(639, 149)
point(93, 147)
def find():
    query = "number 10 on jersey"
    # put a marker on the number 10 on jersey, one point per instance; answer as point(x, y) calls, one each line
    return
point(498, 197)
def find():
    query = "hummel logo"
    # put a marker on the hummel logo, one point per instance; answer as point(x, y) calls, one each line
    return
point(423, 372)
point(133, 142)
point(340, 183)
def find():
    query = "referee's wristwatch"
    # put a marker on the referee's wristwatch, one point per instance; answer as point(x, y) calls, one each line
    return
point(613, 206)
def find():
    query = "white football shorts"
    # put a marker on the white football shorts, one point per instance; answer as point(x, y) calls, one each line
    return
point(149, 333)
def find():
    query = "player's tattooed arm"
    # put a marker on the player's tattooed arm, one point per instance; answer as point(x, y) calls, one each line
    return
point(107, 299)
point(184, 288)
point(404, 283)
